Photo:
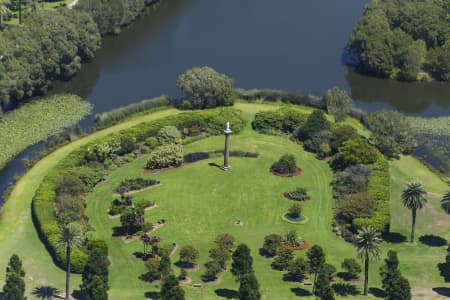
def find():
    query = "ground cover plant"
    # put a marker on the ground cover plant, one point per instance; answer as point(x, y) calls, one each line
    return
point(217, 200)
point(19, 129)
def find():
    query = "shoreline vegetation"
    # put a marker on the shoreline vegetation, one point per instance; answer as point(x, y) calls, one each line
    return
point(38, 120)
point(403, 40)
point(71, 38)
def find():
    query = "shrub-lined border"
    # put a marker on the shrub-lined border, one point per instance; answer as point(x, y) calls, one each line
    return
point(297, 173)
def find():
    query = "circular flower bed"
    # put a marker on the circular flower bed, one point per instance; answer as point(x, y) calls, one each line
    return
point(297, 221)
point(303, 246)
point(297, 172)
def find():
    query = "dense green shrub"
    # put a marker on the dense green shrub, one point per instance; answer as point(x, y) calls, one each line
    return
point(316, 122)
point(169, 135)
point(282, 120)
point(392, 133)
point(285, 165)
point(165, 156)
point(379, 188)
point(358, 151)
point(300, 194)
point(135, 184)
point(205, 88)
point(280, 96)
point(318, 141)
point(272, 244)
point(340, 135)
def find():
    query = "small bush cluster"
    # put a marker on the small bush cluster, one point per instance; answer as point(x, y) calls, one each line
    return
point(300, 194)
point(280, 96)
point(135, 184)
point(283, 120)
point(285, 165)
point(220, 255)
point(165, 156)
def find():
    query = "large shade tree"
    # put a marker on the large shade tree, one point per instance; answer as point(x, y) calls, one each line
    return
point(71, 237)
point(414, 197)
point(368, 242)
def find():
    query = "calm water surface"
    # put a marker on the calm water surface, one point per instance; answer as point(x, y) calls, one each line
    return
point(295, 45)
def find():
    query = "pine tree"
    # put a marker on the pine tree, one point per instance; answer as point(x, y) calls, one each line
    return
point(242, 261)
point(394, 284)
point(171, 290)
point(249, 287)
point(322, 288)
point(14, 288)
point(96, 266)
point(316, 261)
point(97, 289)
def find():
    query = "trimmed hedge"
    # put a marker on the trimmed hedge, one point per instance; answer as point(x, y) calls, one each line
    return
point(135, 184)
point(43, 210)
point(197, 156)
point(280, 96)
point(282, 120)
point(379, 187)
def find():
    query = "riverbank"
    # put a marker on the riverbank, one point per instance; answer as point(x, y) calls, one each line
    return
point(38, 120)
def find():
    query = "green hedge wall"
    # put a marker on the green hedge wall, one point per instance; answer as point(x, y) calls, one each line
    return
point(43, 211)
point(379, 187)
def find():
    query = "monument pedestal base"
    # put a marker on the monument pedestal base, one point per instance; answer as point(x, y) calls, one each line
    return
point(223, 168)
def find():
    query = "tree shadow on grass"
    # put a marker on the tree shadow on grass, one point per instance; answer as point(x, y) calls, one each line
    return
point(227, 293)
point(444, 269)
point(443, 291)
point(46, 292)
point(379, 293)
point(300, 292)
point(394, 237)
point(433, 240)
point(345, 289)
point(152, 295)
point(211, 164)
point(78, 295)
point(117, 231)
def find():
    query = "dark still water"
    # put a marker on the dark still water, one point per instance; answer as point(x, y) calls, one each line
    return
point(294, 45)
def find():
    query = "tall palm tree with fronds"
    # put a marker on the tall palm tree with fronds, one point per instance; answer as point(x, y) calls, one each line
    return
point(414, 197)
point(368, 242)
point(4, 12)
point(71, 237)
point(445, 202)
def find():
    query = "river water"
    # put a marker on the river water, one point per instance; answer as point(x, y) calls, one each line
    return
point(295, 45)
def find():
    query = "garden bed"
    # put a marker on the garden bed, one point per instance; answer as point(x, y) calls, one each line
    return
point(154, 171)
point(287, 196)
point(298, 221)
point(297, 172)
point(140, 190)
point(296, 248)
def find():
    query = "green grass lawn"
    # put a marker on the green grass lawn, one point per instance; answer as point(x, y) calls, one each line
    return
point(199, 201)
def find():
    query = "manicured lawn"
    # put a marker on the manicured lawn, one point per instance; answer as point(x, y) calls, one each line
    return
point(17, 232)
point(199, 201)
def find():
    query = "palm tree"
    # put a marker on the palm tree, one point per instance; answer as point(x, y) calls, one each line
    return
point(368, 242)
point(414, 198)
point(71, 237)
point(445, 202)
point(4, 12)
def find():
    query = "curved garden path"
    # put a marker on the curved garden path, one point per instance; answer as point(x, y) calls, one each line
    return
point(17, 232)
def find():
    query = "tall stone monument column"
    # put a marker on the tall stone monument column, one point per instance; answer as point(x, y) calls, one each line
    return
point(226, 155)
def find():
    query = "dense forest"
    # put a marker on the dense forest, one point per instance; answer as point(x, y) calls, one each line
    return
point(52, 44)
point(407, 40)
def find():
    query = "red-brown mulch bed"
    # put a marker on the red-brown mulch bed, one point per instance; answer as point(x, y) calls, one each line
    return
point(305, 246)
point(297, 172)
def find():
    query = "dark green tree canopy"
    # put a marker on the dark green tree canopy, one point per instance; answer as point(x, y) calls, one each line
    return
point(242, 261)
point(205, 88)
point(338, 102)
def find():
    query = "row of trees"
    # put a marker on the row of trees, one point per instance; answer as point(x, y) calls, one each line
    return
point(405, 40)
